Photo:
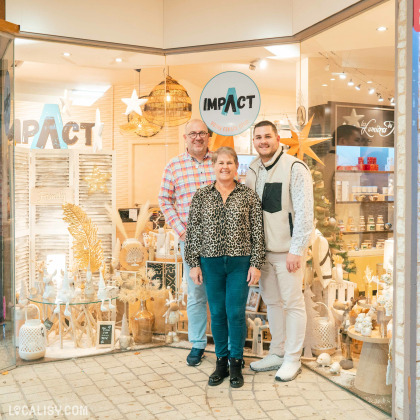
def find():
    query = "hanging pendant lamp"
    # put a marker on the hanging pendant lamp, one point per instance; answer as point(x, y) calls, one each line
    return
point(169, 104)
point(138, 124)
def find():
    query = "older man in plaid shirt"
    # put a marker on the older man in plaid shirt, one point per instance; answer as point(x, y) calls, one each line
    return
point(182, 177)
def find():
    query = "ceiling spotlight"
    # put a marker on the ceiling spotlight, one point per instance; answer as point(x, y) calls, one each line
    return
point(66, 54)
point(324, 85)
point(369, 81)
point(358, 87)
point(332, 78)
point(391, 99)
point(382, 29)
point(350, 83)
point(380, 99)
point(118, 60)
point(252, 66)
point(263, 64)
point(371, 91)
point(342, 75)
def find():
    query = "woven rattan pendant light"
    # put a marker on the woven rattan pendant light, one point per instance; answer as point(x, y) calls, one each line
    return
point(138, 124)
point(169, 104)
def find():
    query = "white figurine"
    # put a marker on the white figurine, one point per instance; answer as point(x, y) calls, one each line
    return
point(48, 284)
point(64, 295)
point(257, 340)
point(172, 316)
point(103, 294)
point(335, 368)
point(89, 287)
point(324, 359)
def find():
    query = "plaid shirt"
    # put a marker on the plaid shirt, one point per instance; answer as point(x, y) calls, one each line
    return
point(182, 177)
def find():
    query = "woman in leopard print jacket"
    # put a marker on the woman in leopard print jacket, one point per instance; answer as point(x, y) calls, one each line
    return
point(225, 250)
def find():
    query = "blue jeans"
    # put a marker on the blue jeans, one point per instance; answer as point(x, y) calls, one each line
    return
point(196, 308)
point(227, 292)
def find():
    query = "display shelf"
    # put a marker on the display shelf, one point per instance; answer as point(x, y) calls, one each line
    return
point(367, 232)
point(364, 172)
point(364, 202)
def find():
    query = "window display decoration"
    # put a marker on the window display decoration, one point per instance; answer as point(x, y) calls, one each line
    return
point(51, 126)
point(132, 254)
point(134, 103)
point(353, 118)
point(140, 126)
point(87, 247)
point(97, 132)
point(66, 103)
point(169, 104)
point(137, 123)
point(32, 337)
point(300, 144)
point(97, 181)
point(230, 103)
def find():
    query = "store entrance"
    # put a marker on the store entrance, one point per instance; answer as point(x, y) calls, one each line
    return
point(7, 298)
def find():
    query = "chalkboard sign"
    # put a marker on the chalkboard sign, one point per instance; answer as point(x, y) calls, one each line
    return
point(105, 334)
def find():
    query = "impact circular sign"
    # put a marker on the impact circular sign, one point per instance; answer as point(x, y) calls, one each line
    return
point(230, 103)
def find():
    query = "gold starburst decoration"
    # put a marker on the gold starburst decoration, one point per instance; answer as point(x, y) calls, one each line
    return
point(300, 144)
point(97, 181)
point(87, 248)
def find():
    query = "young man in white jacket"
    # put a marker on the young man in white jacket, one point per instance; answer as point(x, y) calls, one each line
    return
point(284, 185)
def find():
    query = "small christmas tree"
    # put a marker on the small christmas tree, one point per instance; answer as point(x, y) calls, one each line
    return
point(326, 223)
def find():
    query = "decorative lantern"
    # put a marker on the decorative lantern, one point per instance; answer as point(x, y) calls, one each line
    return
point(138, 125)
point(32, 337)
point(324, 333)
point(168, 104)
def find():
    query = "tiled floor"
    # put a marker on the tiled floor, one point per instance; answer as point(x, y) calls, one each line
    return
point(157, 384)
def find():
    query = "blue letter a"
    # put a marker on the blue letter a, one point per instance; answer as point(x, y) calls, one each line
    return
point(231, 100)
point(51, 125)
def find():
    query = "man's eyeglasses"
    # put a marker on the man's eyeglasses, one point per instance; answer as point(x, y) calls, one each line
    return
point(194, 135)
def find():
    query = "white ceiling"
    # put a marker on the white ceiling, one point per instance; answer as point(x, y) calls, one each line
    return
point(354, 45)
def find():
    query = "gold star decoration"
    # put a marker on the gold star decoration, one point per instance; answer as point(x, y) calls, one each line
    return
point(300, 144)
point(97, 181)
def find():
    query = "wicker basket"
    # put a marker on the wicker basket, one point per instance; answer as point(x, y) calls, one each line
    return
point(324, 333)
point(32, 337)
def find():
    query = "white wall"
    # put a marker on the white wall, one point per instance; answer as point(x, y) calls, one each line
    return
point(308, 12)
point(170, 23)
point(192, 22)
point(135, 22)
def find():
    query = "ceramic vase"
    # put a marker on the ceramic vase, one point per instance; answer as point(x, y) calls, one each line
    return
point(142, 324)
point(339, 273)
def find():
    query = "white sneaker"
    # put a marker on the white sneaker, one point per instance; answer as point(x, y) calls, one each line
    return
point(288, 371)
point(270, 362)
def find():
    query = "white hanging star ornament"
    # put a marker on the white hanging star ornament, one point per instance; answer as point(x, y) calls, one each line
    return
point(97, 132)
point(66, 103)
point(134, 104)
point(353, 118)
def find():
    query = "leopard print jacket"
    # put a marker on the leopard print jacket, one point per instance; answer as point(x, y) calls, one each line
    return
point(234, 228)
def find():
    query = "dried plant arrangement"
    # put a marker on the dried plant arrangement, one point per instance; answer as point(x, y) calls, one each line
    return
point(87, 248)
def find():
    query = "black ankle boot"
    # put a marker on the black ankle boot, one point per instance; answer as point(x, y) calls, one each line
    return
point(221, 372)
point(236, 378)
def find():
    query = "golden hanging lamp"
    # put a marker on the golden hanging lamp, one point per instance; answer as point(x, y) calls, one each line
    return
point(169, 104)
point(138, 124)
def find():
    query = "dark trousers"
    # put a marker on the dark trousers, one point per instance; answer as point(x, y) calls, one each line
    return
point(227, 292)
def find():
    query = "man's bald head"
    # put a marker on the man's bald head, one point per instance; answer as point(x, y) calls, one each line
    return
point(195, 123)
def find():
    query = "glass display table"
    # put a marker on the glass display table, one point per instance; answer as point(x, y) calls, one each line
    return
point(78, 320)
